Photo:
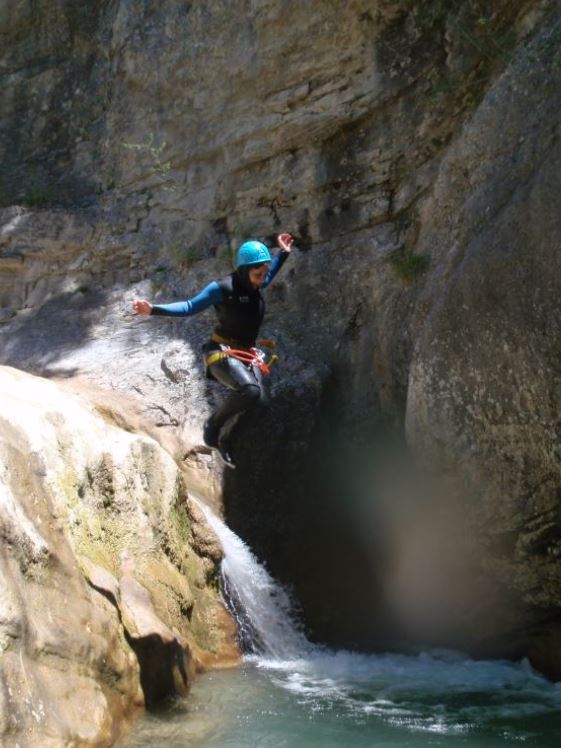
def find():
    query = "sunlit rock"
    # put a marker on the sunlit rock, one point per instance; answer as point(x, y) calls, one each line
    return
point(104, 604)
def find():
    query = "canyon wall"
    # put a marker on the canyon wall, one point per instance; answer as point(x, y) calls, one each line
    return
point(405, 481)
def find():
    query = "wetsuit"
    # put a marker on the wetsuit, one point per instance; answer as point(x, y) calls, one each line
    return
point(240, 309)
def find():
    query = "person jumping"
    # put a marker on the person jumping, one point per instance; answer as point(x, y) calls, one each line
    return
point(230, 356)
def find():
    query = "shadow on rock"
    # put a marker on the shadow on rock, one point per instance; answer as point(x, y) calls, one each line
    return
point(39, 339)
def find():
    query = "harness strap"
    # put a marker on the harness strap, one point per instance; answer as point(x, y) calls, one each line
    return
point(263, 342)
point(216, 338)
point(250, 357)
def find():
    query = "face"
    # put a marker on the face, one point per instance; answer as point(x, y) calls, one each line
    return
point(258, 274)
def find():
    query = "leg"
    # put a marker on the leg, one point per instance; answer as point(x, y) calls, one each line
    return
point(248, 391)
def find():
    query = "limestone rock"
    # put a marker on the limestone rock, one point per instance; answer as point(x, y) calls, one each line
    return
point(412, 148)
point(482, 401)
point(83, 641)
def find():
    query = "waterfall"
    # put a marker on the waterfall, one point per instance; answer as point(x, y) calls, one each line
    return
point(263, 609)
point(291, 692)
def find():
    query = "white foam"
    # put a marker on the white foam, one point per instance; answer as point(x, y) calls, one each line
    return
point(439, 692)
point(265, 604)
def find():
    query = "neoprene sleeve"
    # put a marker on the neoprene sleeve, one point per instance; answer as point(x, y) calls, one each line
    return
point(211, 295)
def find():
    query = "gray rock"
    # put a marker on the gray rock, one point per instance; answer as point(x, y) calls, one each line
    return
point(412, 150)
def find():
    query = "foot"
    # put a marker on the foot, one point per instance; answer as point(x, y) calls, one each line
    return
point(225, 455)
point(210, 433)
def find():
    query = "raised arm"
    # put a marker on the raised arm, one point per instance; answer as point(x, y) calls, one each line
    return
point(210, 295)
point(285, 242)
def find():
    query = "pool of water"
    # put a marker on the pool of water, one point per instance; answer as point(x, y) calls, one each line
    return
point(344, 700)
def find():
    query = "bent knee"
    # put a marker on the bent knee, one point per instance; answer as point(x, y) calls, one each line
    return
point(252, 393)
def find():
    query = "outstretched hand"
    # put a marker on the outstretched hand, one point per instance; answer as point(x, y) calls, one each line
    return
point(141, 306)
point(285, 241)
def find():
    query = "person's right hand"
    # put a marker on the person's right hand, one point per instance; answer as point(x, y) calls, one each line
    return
point(141, 306)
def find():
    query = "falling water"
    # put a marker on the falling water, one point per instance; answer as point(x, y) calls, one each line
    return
point(263, 609)
point(292, 694)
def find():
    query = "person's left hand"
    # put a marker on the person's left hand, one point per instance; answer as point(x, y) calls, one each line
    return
point(285, 241)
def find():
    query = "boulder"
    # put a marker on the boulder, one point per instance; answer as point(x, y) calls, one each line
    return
point(106, 606)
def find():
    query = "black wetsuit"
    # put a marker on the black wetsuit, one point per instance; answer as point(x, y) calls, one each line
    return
point(240, 309)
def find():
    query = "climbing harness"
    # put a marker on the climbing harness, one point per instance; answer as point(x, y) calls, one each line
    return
point(263, 342)
point(248, 356)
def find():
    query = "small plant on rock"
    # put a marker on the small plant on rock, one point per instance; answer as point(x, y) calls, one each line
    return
point(182, 256)
point(407, 265)
point(224, 256)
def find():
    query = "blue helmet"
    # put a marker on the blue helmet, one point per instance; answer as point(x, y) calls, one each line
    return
point(252, 253)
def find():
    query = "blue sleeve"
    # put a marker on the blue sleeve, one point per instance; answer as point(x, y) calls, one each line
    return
point(276, 264)
point(210, 295)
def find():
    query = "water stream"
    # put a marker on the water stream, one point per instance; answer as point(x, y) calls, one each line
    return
point(290, 693)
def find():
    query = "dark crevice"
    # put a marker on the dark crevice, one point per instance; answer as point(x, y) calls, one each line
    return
point(163, 671)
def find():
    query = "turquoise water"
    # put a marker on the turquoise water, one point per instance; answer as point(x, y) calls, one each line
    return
point(343, 700)
point(293, 694)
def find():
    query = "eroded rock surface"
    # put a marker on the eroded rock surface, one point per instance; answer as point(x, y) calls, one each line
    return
point(412, 148)
point(105, 605)
point(483, 397)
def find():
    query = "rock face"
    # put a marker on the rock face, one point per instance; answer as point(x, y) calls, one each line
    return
point(483, 398)
point(412, 148)
point(108, 596)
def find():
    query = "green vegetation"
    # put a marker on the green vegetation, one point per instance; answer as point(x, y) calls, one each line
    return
point(38, 194)
point(107, 186)
point(183, 256)
point(189, 255)
point(445, 86)
point(180, 523)
point(492, 42)
point(478, 28)
point(429, 13)
point(407, 265)
point(224, 256)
